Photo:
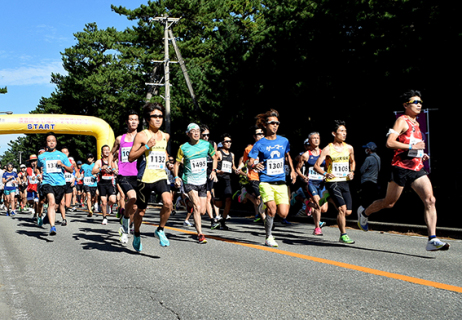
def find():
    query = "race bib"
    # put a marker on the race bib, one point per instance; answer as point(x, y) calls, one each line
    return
point(106, 177)
point(32, 180)
point(414, 153)
point(313, 175)
point(68, 176)
point(274, 167)
point(10, 183)
point(340, 169)
point(52, 166)
point(124, 152)
point(198, 165)
point(157, 160)
point(88, 180)
point(226, 166)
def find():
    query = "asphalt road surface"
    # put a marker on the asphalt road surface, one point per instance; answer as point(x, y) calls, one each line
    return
point(85, 273)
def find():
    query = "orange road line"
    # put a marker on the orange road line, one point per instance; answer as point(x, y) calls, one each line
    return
point(332, 262)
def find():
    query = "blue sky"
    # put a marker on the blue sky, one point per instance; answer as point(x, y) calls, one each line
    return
point(33, 33)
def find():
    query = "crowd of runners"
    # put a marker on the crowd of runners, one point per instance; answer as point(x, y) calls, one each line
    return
point(138, 167)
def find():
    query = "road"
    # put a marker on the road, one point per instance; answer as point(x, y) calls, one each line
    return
point(85, 273)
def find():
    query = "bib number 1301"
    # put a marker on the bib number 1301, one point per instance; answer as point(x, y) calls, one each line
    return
point(274, 166)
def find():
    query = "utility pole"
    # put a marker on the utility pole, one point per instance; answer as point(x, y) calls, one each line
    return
point(168, 35)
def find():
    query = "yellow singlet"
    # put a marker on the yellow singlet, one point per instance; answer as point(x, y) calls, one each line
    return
point(155, 160)
point(338, 163)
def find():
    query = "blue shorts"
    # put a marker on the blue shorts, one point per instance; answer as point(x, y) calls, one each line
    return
point(315, 190)
point(32, 196)
point(8, 192)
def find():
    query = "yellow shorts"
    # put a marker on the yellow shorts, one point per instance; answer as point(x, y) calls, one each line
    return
point(274, 192)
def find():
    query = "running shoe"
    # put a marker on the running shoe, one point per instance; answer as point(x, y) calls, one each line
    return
point(186, 223)
point(104, 221)
point(236, 194)
point(173, 212)
point(321, 224)
point(261, 207)
point(242, 195)
point(13, 213)
point(53, 231)
point(323, 200)
point(201, 238)
point(7, 214)
point(362, 219)
point(285, 221)
point(64, 222)
point(163, 241)
point(346, 239)
point(39, 221)
point(317, 231)
point(123, 236)
point(270, 242)
point(436, 244)
point(137, 244)
point(223, 227)
point(214, 224)
point(228, 217)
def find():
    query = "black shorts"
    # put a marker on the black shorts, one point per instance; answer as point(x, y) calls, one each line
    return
point(253, 187)
point(144, 190)
point(201, 189)
point(57, 191)
point(69, 188)
point(209, 184)
point(22, 188)
point(91, 190)
point(405, 177)
point(106, 189)
point(223, 189)
point(127, 183)
point(340, 193)
point(79, 187)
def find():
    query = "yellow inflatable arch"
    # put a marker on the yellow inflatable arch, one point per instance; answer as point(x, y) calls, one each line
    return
point(59, 124)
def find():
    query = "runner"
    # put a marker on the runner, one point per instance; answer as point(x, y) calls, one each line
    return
point(79, 185)
point(2, 171)
point(315, 182)
point(407, 169)
point(340, 160)
point(54, 183)
point(127, 178)
point(22, 187)
point(150, 149)
point(104, 169)
point(70, 179)
point(272, 151)
point(10, 181)
point(251, 190)
point(32, 186)
point(89, 182)
point(225, 167)
point(193, 155)
point(211, 208)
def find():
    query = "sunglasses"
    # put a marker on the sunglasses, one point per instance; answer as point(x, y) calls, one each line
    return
point(416, 102)
point(227, 141)
point(157, 116)
point(206, 134)
point(274, 122)
point(259, 134)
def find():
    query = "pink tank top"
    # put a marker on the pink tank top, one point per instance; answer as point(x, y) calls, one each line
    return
point(126, 168)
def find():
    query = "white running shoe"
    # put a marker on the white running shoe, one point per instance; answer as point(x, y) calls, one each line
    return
point(186, 223)
point(270, 242)
point(363, 222)
point(436, 244)
point(104, 221)
point(123, 237)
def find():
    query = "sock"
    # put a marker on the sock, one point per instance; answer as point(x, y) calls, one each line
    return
point(269, 221)
point(431, 237)
point(160, 228)
point(137, 234)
